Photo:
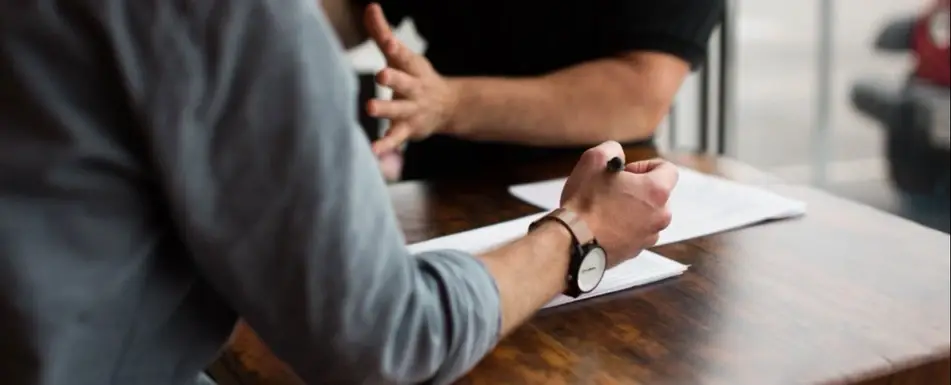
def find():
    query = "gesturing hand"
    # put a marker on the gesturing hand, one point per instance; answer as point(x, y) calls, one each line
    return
point(422, 100)
point(626, 211)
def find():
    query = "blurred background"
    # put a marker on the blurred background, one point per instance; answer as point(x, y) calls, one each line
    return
point(777, 127)
point(794, 70)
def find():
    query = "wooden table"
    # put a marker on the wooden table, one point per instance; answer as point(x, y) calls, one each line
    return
point(846, 294)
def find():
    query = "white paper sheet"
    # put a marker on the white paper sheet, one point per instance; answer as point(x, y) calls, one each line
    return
point(646, 268)
point(701, 204)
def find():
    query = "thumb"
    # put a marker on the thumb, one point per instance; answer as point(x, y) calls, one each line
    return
point(592, 161)
point(598, 156)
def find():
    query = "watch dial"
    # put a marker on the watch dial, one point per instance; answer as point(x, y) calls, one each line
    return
point(592, 269)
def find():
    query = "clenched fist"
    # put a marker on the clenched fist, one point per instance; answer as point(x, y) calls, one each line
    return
point(626, 211)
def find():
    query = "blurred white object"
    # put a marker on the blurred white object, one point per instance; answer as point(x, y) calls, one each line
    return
point(367, 58)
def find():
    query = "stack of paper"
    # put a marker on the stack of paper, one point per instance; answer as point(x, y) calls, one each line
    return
point(701, 204)
point(646, 268)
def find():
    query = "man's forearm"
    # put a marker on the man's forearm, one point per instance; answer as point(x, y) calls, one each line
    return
point(529, 272)
point(609, 99)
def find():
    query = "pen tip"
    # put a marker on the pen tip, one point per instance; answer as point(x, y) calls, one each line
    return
point(615, 164)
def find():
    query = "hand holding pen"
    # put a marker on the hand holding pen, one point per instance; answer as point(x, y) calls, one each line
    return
point(625, 205)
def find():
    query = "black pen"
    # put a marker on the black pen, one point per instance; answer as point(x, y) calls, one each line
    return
point(615, 164)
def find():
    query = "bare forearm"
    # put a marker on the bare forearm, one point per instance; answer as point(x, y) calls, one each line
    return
point(529, 272)
point(603, 100)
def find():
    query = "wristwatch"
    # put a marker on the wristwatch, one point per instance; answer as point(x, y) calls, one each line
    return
point(588, 260)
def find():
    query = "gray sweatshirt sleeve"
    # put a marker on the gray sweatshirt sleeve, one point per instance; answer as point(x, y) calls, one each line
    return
point(251, 116)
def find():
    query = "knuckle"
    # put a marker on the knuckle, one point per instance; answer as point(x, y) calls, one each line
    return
point(397, 79)
point(656, 193)
point(651, 240)
point(664, 218)
point(673, 170)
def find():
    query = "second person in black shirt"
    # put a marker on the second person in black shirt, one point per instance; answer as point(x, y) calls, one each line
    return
point(512, 81)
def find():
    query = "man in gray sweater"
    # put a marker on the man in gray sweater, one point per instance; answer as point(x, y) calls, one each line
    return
point(169, 166)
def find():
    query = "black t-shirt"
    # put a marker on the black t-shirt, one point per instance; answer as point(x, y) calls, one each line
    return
point(534, 37)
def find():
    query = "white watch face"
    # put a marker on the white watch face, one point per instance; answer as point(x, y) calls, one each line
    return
point(592, 269)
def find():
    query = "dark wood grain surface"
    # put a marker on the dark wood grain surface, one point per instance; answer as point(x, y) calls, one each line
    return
point(845, 294)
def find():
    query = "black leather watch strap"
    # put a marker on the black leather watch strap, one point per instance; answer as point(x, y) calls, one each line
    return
point(572, 221)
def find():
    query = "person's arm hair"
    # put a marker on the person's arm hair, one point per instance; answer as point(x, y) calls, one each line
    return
point(646, 50)
point(249, 116)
